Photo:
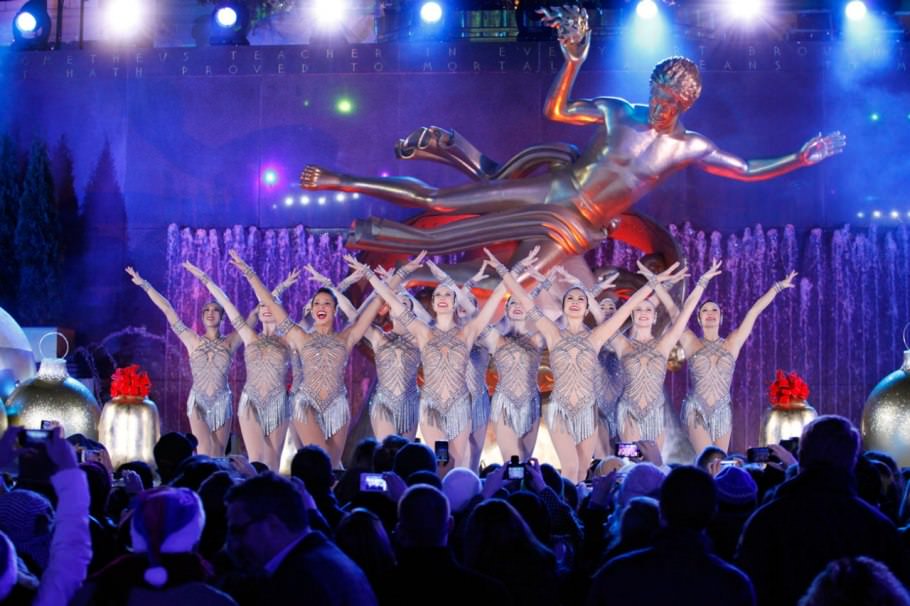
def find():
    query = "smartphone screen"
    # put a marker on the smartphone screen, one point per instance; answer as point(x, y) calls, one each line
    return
point(759, 454)
point(373, 482)
point(628, 450)
point(34, 437)
point(516, 472)
point(442, 451)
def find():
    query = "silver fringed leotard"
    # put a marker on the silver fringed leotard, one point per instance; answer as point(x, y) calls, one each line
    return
point(477, 383)
point(323, 390)
point(574, 364)
point(516, 400)
point(265, 390)
point(708, 403)
point(445, 401)
point(397, 399)
point(210, 395)
point(610, 387)
point(642, 401)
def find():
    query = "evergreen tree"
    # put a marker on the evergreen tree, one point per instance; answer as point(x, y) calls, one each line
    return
point(65, 194)
point(10, 177)
point(38, 242)
point(104, 253)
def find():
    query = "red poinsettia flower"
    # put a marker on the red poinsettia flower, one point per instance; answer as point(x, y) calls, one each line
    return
point(788, 390)
point(131, 382)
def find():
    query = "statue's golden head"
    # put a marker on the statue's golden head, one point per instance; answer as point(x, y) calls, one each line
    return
point(680, 74)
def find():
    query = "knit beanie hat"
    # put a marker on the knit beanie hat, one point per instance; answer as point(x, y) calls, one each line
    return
point(166, 520)
point(643, 480)
point(460, 486)
point(20, 511)
point(735, 486)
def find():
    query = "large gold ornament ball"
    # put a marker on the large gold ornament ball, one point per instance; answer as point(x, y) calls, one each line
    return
point(53, 395)
point(886, 415)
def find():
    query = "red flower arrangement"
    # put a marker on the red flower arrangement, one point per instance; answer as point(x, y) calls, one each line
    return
point(788, 391)
point(130, 382)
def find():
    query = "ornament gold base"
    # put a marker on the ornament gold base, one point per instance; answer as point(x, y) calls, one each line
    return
point(784, 423)
point(129, 428)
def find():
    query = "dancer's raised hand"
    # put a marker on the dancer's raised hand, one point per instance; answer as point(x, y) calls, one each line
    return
point(412, 265)
point(291, 279)
point(787, 282)
point(134, 275)
point(195, 271)
point(317, 277)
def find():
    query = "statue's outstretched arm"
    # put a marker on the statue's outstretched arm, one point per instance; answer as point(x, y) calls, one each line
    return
point(815, 150)
point(571, 23)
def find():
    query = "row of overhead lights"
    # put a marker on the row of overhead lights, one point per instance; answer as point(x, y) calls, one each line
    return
point(880, 214)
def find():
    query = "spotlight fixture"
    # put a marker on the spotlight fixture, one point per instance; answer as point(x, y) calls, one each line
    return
point(329, 14)
point(32, 26)
point(744, 10)
point(856, 10)
point(126, 19)
point(646, 9)
point(230, 24)
point(431, 12)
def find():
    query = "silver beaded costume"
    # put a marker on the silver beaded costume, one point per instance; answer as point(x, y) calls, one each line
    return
point(210, 395)
point(397, 398)
point(323, 389)
point(265, 391)
point(642, 401)
point(477, 383)
point(575, 370)
point(708, 403)
point(516, 400)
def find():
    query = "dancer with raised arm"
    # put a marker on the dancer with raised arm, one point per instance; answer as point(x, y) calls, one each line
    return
point(573, 358)
point(321, 411)
point(263, 410)
point(445, 401)
point(640, 411)
point(209, 404)
point(707, 410)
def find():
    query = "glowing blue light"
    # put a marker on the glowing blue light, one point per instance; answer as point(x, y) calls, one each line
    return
point(321, 200)
point(304, 200)
point(26, 22)
point(646, 9)
point(329, 14)
point(289, 201)
point(270, 177)
point(895, 214)
point(430, 12)
point(856, 10)
point(876, 214)
point(744, 9)
point(226, 17)
point(860, 215)
point(340, 197)
point(875, 116)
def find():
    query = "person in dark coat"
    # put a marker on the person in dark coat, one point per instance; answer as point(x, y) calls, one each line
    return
point(427, 573)
point(268, 529)
point(815, 517)
point(679, 569)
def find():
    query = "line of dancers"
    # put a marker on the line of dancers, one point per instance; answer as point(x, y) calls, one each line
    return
point(606, 384)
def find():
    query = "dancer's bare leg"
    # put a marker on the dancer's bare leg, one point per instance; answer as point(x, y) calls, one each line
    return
point(603, 447)
point(220, 439)
point(508, 441)
point(528, 441)
point(309, 432)
point(252, 435)
point(723, 442)
point(335, 446)
point(566, 450)
point(699, 437)
point(383, 428)
point(584, 451)
point(272, 446)
point(476, 440)
point(203, 435)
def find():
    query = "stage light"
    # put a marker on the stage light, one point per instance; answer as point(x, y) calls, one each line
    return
point(289, 201)
point(125, 18)
point(230, 24)
point(875, 116)
point(339, 197)
point(329, 13)
point(32, 26)
point(895, 214)
point(646, 9)
point(856, 10)
point(876, 214)
point(321, 200)
point(270, 177)
point(344, 105)
point(744, 9)
point(355, 196)
point(860, 215)
point(431, 12)
point(304, 200)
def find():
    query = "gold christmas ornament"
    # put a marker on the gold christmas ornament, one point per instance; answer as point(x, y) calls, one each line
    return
point(52, 395)
point(676, 359)
point(886, 415)
point(789, 411)
point(129, 428)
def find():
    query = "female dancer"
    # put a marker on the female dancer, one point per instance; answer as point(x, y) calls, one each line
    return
point(263, 411)
point(445, 401)
point(321, 411)
point(707, 411)
point(209, 402)
point(573, 358)
point(640, 411)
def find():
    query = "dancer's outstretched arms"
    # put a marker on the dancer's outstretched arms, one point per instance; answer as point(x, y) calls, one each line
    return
point(263, 294)
point(416, 327)
point(603, 332)
point(737, 338)
point(668, 341)
point(246, 333)
point(546, 326)
point(483, 318)
point(253, 316)
point(189, 338)
point(689, 340)
point(344, 304)
point(574, 282)
point(549, 303)
point(365, 317)
point(462, 298)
